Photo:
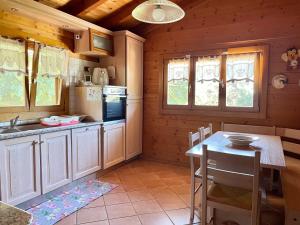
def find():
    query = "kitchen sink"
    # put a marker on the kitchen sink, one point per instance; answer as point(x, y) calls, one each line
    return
point(8, 130)
point(21, 128)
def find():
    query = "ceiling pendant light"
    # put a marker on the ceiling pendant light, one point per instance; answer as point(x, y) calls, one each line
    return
point(158, 12)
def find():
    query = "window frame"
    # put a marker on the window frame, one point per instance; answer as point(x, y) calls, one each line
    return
point(33, 90)
point(260, 90)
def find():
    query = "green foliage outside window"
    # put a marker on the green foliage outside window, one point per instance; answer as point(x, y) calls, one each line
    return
point(12, 89)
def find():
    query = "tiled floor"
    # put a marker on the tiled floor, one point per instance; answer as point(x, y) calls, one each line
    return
point(149, 193)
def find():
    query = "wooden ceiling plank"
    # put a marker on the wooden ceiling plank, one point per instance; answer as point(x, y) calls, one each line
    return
point(80, 7)
point(115, 19)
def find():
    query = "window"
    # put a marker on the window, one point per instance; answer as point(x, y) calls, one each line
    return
point(178, 82)
point(31, 76)
point(12, 75)
point(207, 81)
point(230, 82)
point(48, 83)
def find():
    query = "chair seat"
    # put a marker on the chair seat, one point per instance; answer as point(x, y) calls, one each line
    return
point(232, 196)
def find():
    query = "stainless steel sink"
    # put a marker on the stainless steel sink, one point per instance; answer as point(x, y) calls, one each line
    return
point(21, 128)
point(8, 130)
point(30, 127)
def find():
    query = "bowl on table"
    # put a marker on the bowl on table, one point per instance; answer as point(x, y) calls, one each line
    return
point(241, 139)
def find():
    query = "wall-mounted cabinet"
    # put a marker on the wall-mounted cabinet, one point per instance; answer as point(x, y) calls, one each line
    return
point(20, 169)
point(91, 42)
point(113, 144)
point(56, 160)
point(86, 151)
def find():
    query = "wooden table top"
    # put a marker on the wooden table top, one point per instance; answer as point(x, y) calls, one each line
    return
point(270, 147)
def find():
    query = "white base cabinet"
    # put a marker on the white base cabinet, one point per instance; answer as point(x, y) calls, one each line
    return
point(113, 144)
point(20, 169)
point(134, 128)
point(55, 160)
point(86, 151)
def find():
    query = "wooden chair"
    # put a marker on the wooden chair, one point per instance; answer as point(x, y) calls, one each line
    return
point(196, 138)
point(234, 188)
point(265, 130)
point(291, 175)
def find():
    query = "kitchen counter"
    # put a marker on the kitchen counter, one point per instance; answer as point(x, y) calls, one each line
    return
point(10, 215)
point(36, 129)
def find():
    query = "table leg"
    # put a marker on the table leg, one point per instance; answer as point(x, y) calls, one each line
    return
point(192, 164)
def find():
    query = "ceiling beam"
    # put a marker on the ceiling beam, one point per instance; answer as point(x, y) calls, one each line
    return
point(115, 19)
point(80, 7)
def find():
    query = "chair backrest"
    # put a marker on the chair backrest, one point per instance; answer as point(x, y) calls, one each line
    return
point(194, 138)
point(265, 130)
point(290, 140)
point(200, 135)
point(206, 132)
point(229, 175)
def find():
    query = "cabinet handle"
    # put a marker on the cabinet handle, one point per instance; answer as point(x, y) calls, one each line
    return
point(41, 142)
point(86, 129)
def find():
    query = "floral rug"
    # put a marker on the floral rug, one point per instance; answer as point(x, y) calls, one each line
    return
point(55, 209)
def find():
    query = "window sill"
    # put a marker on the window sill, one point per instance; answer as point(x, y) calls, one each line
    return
point(214, 113)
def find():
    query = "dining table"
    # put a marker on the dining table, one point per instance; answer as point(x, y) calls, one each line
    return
point(272, 158)
point(270, 146)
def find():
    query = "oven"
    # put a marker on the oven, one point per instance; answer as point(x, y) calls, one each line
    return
point(114, 103)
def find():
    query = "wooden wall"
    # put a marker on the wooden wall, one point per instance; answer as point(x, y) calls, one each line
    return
point(211, 24)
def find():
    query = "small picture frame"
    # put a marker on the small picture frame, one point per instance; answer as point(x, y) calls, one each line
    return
point(88, 78)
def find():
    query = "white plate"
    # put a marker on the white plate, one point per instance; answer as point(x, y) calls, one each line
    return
point(241, 140)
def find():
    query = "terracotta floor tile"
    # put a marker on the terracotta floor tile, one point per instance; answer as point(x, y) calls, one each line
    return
point(98, 202)
point(171, 203)
point(120, 210)
point(118, 189)
point(116, 198)
point(104, 222)
point(140, 195)
point(155, 219)
point(133, 220)
point(91, 215)
point(181, 188)
point(69, 220)
point(181, 216)
point(150, 206)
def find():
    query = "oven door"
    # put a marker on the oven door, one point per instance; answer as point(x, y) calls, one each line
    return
point(114, 107)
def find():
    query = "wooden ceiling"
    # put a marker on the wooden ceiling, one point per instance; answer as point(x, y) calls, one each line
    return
point(110, 14)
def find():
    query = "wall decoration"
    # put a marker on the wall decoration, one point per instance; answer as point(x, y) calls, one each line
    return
point(279, 81)
point(292, 58)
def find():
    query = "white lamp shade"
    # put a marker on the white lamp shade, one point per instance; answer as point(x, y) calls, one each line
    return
point(158, 12)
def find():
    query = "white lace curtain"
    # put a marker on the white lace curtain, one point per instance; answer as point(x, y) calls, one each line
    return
point(12, 56)
point(208, 68)
point(52, 62)
point(178, 69)
point(241, 67)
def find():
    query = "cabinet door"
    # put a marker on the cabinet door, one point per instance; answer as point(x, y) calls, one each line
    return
point(56, 160)
point(134, 68)
point(86, 151)
point(113, 144)
point(134, 128)
point(20, 169)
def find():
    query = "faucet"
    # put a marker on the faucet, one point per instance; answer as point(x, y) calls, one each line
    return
point(13, 122)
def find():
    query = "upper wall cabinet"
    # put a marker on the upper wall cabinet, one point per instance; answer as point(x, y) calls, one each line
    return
point(128, 60)
point(91, 42)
